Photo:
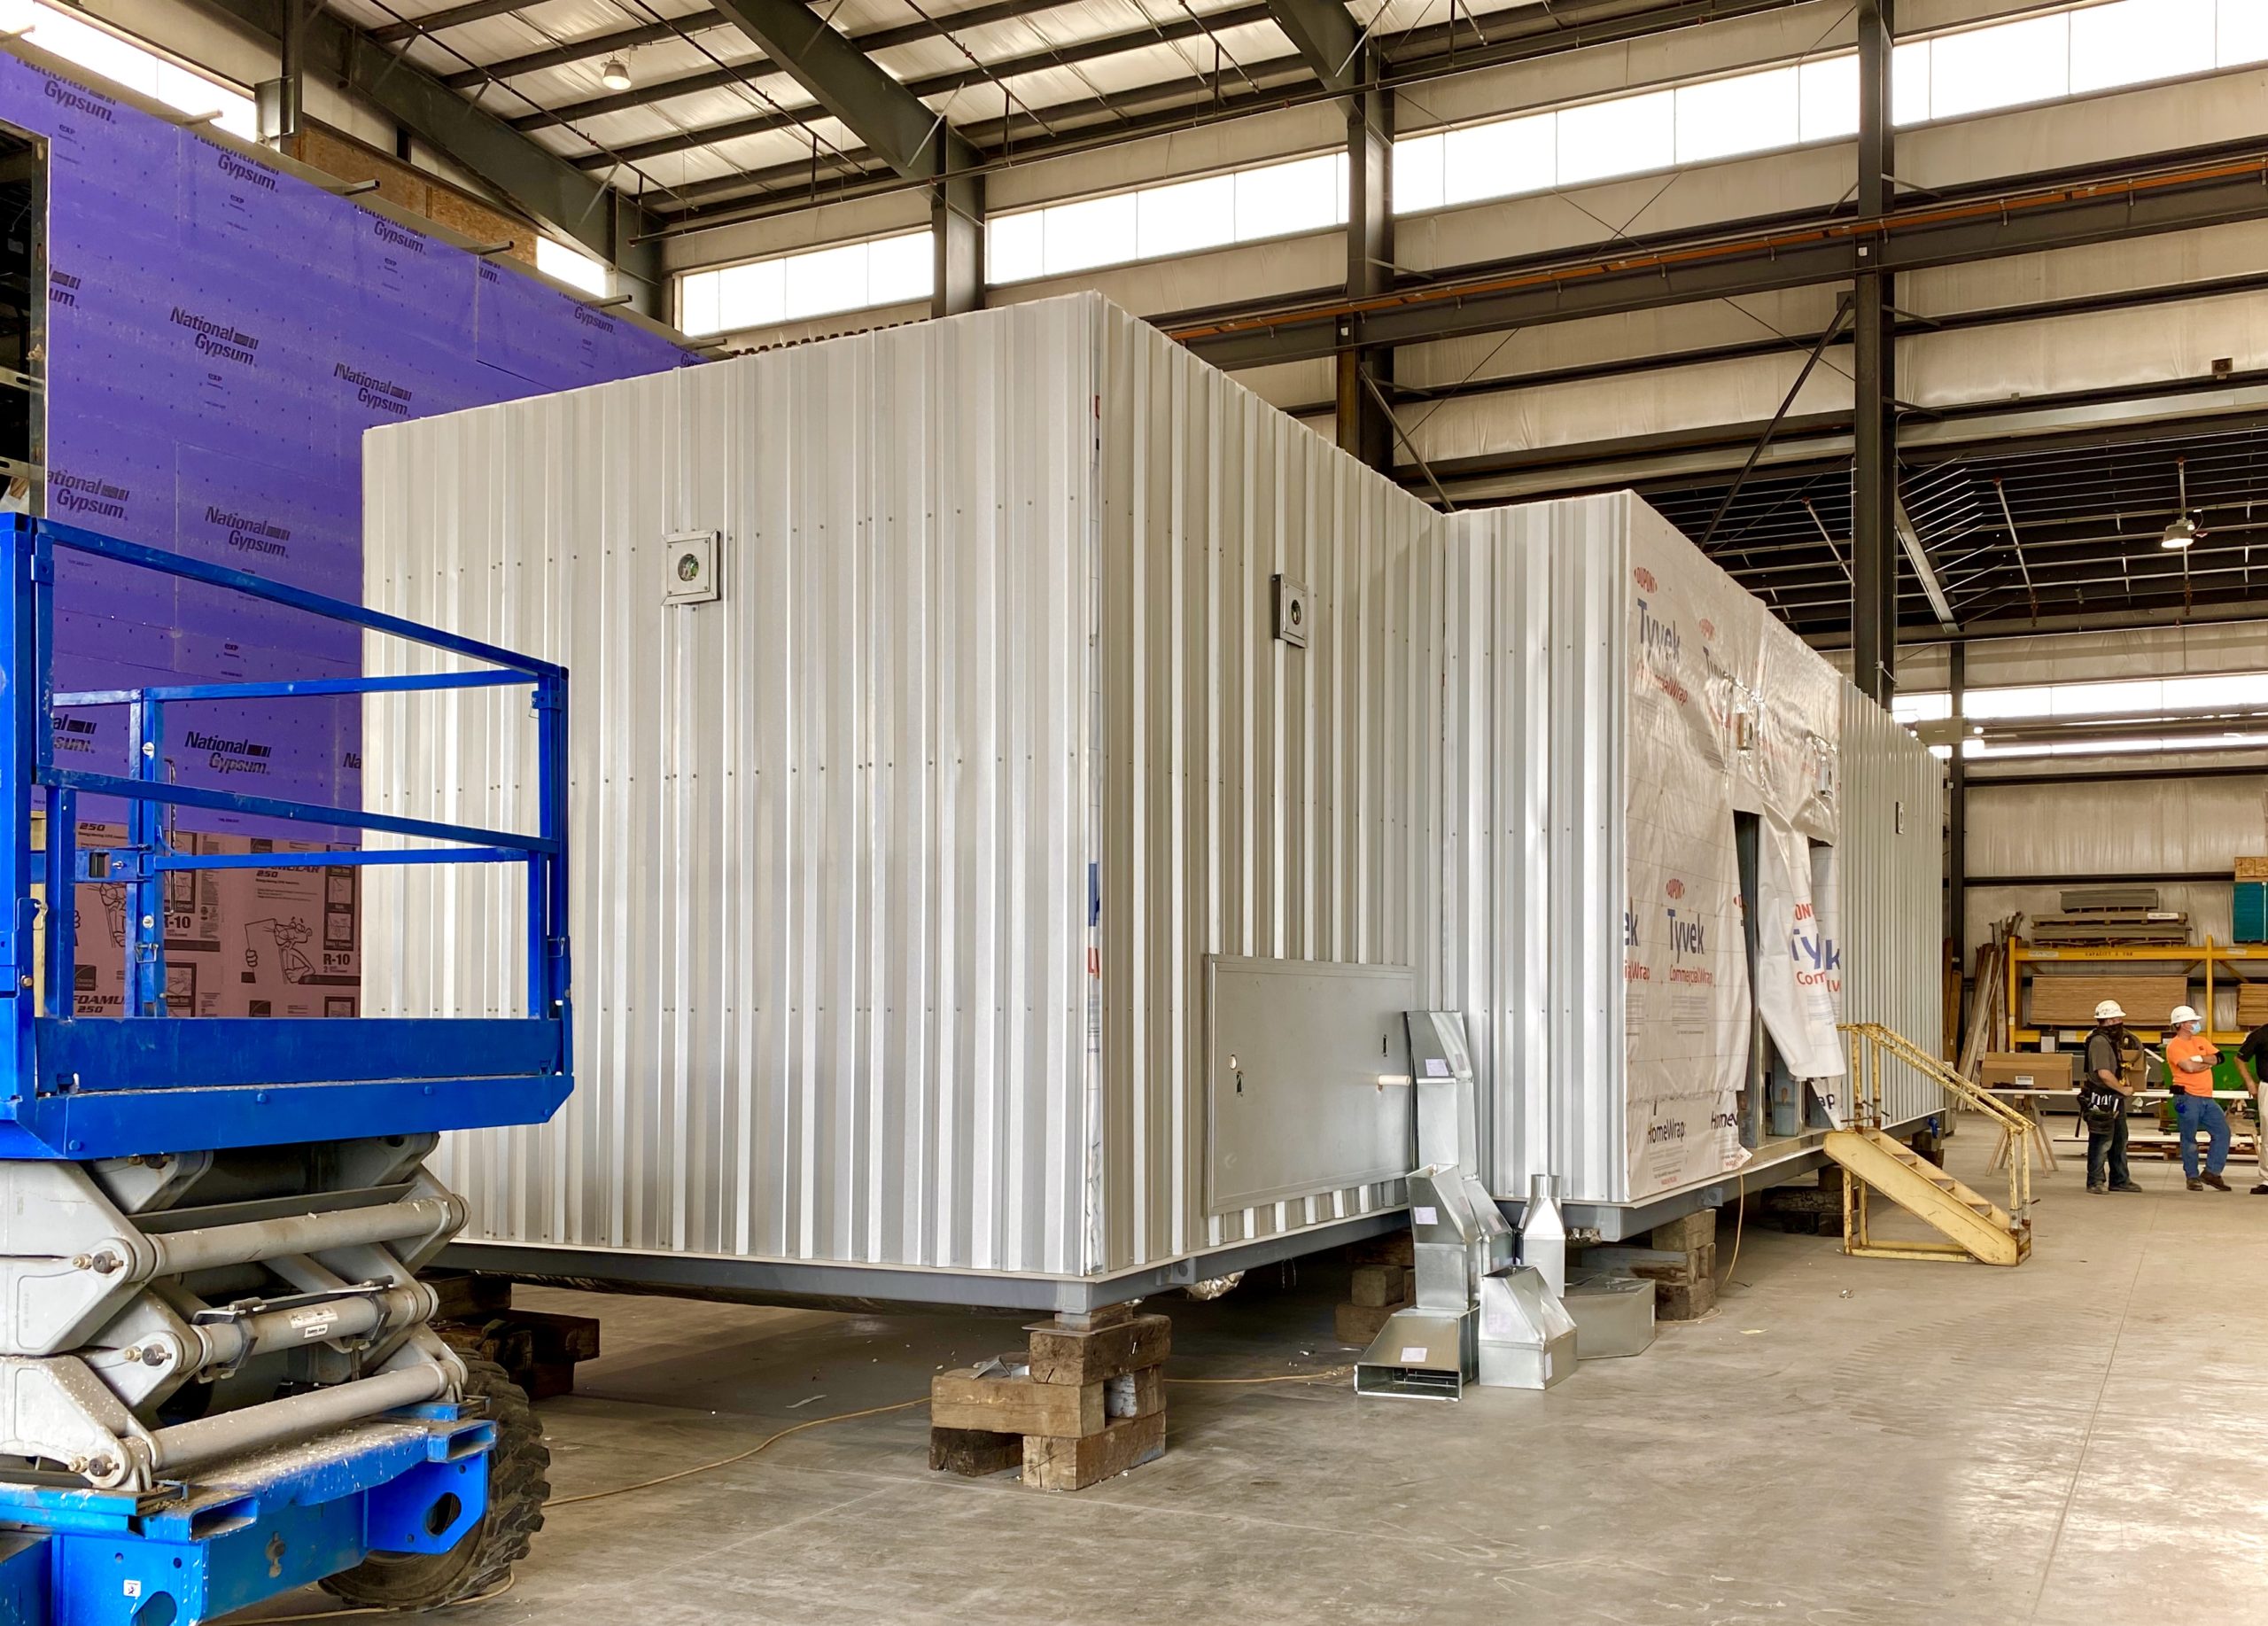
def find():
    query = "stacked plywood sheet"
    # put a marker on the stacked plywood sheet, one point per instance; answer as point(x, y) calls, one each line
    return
point(2251, 1004)
point(2064, 1000)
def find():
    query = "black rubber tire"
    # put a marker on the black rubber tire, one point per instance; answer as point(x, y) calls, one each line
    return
point(518, 1485)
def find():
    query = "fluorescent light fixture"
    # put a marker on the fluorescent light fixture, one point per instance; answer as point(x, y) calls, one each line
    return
point(616, 74)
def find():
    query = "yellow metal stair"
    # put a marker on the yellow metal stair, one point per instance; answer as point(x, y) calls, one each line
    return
point(1976, 1228)
point(1873, 1160)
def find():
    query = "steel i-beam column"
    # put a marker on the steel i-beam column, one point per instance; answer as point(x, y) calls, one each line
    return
point(1874, 489)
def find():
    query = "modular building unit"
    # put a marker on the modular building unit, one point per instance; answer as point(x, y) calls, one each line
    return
point(1051, 677)
point(1021, 779)
point(1682, 849)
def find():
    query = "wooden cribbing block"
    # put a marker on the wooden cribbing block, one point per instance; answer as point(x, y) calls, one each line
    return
point(1064, 1354)
point(1698, 1229)
point(1394, 1247)
point(1358, 1324)
point(1654, 1263)
point(974, 1452)
point(1053, 1463)
point(961, 1400)
point(1380, 1284)
point(1684, 1301)
point(468, 1296)
point(1135, 1394)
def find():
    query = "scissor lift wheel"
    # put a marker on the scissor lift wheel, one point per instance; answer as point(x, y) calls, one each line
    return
point(518, 1484)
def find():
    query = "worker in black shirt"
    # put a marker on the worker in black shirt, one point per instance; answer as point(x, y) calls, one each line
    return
point(2252, 1059)
point(2109, 1047)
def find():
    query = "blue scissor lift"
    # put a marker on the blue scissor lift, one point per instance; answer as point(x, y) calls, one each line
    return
point(217, 1381)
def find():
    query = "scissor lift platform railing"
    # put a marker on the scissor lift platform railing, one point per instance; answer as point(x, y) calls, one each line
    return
point(134, 1148)
point(74, 1087)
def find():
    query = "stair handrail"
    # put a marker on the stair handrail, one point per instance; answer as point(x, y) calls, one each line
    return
point(1868, 1042)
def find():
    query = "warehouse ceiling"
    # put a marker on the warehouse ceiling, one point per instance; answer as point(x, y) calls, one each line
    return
point(708, 120)
point(2058, 534)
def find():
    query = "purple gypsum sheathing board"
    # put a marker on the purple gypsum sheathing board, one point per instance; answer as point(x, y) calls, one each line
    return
point(219, 334)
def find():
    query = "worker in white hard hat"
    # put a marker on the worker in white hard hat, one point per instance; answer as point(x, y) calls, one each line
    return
point(2104, 1098)
point(2189, 1057)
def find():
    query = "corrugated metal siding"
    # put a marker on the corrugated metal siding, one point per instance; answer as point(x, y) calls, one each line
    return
point(1535, 683)
point(1892, 883)
point(1260, 800)
point(999, 606)
point(830, 877)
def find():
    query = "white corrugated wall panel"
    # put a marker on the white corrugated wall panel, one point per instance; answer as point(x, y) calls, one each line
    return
point(1260, 800)
point(1891, 873)
point(831, 834)
point(1533, 811)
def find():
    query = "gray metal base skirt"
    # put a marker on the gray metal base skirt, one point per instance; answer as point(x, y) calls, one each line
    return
point(828, 1285)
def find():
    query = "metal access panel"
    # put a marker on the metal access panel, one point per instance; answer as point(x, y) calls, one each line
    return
point(1307, 1078)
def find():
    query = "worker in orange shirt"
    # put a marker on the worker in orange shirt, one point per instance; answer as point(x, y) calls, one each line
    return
point(2190, 1057)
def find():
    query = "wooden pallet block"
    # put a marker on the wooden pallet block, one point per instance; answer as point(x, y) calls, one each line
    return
point(1688, 1231)
point(974, 1452)
point(962, 1400)
point(1374, 1285)
point(1062, 1354)
point(1394, 1247)
point(1054, 1463)
point(1358, 1324)
point(1685, 1301)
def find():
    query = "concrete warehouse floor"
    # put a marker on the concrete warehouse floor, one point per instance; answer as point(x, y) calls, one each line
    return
point(1845, 1441)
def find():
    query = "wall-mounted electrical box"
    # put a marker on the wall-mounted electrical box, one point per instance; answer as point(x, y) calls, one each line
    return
point(1294, 612)
point(694, 566)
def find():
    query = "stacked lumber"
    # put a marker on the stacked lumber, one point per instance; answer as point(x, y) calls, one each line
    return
point(1681, 1260)
point(1088, 1403)
point(1385, 1280)
point(1813, 1209)
point(2112, 915)
point(538, 1350)
point(2114, 928)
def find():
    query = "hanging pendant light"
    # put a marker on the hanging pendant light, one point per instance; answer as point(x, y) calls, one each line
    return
point(2183, 532)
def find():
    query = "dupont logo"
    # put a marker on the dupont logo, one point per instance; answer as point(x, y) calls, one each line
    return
point(80, 101)
point(386, 231)
point(1644, 577)
point(1675, 889)
point(62, 289)
point(251, 174)
point(250, 535)
point(1708, 628)
point(87, 493)
point(380, 394)
point(218, 340)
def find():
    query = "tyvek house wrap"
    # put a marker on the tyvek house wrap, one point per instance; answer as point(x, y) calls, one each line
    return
point(1615, 701)
point(1727, 713)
